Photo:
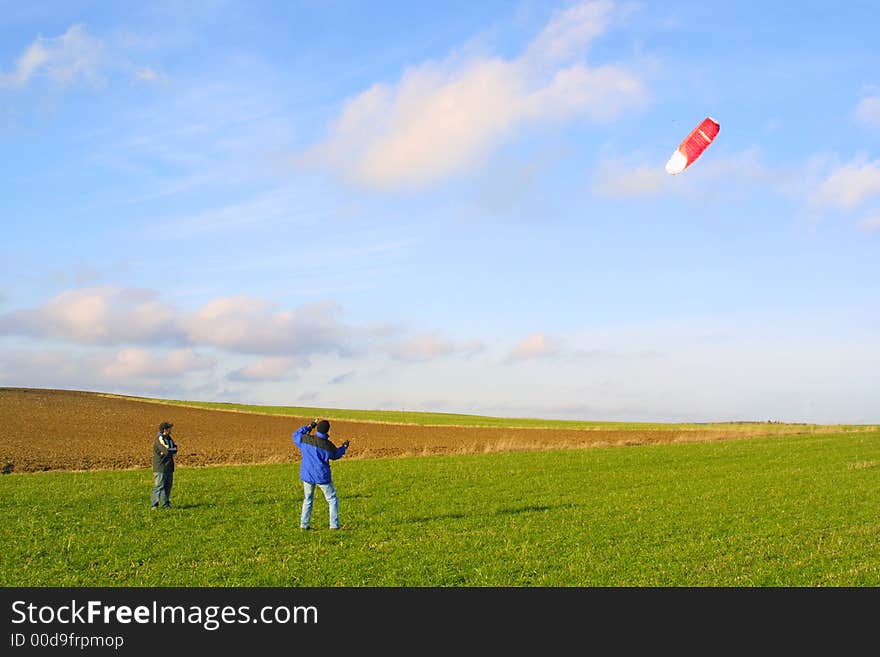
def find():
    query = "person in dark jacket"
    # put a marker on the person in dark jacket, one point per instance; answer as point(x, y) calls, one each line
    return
point(164, 450)
point(314, 471)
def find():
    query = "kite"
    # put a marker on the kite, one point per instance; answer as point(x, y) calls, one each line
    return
point(693, 146)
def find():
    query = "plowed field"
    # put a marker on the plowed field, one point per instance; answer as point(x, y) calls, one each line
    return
point(70, 430)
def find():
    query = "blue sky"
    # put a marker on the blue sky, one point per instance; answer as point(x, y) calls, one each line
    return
point(456, 207)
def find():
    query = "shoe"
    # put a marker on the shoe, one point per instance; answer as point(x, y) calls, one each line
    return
point(154, 508)
point(301, 527)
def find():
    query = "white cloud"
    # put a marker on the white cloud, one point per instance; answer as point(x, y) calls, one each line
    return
point(537, 345)
point(147, 74)
point(620, 178)
point(739, 176)
point(599, 93)
point(65, 59)
point(211, 133)
point(276, 207)
point(126, 370)
point(274, 368)
point(849, 185)
point(870, 225)
point(105, 315)
point(140, 363)
point(868, 111)
point(341, 378)
point(428, 347)
point(112, 315)
point(247, 325)
point(444, 118)
point(21, 367)
point(625, 176)
point(570, 31)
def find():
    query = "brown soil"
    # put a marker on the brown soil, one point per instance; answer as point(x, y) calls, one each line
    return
point(71, 430)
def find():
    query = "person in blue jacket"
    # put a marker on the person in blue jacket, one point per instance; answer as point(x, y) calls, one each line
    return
point(314, 470)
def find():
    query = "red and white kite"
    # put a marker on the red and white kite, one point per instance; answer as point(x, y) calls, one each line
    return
point(693, 146)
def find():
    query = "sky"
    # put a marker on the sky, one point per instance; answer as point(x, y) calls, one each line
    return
point(445, 206)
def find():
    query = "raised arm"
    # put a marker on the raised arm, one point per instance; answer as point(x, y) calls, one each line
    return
point(340, 451)
point(303, 431)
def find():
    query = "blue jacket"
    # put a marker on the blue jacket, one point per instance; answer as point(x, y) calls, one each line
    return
point(317, 452)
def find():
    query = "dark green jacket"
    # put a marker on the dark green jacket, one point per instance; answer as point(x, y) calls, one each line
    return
point(164, 450)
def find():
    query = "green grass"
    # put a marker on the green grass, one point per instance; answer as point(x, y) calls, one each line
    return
point(776, 511)
point(458, 419)
point(406, 417)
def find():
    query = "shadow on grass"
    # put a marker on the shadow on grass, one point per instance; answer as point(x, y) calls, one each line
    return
point(534, 508)
point(190, 505)
point(354, 496)
point(442, 516)
point(319, 498)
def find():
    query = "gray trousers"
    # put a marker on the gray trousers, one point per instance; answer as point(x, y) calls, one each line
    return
point(162, 489)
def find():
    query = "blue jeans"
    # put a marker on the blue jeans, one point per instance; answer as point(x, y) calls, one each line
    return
point(308, 497)
point(162, 489)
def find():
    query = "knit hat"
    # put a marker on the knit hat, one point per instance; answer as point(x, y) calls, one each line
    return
point(323, 426)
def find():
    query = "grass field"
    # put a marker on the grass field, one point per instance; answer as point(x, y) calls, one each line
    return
point(797, 510)
point(458, 419)
point(45, 429)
